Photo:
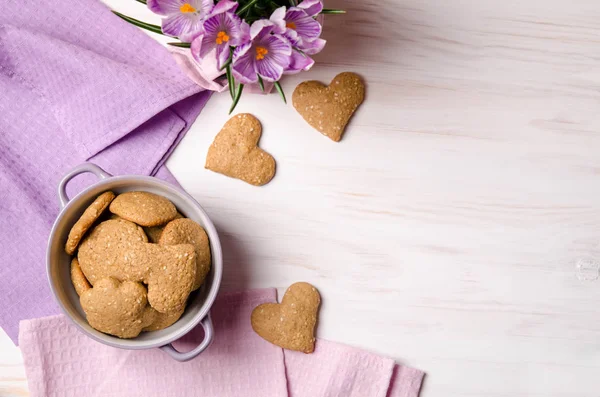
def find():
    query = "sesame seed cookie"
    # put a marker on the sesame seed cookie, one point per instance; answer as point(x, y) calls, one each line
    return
point(162, 320)
point(290, 324)
point(115, 308)
point(186, 231)
point(143, 208)
point(116, 248)
point(78, 279)
point(235, 152)
point(328, 109)
point(87, 219)
point(154, 232)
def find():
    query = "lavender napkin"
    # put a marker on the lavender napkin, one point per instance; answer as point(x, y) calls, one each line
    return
point(76, 83)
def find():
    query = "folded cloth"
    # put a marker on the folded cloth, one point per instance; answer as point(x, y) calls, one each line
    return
point(62, 361)
point(77, 83)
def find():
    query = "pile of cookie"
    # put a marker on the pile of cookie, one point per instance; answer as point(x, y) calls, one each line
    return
point(135, 266)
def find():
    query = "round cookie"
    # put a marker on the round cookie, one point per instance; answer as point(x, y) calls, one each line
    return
point(78, 279)
point(101, 249)
point(87, 219)
point(186, 231)
point(154, 232)
point(143, 208)
point(162, 320)
point(116, 308)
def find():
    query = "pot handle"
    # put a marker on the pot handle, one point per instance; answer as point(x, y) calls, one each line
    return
point(80, 169)
point(208, 338)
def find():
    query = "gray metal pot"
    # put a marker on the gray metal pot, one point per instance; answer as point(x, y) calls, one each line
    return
point(58, 262)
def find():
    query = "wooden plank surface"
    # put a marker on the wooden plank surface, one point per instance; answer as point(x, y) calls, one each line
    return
point(445, 228)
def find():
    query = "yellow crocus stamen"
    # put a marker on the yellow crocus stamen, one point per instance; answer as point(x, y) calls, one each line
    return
point(187, 7)
point(221, 38)
point(291, 25)
point(261, 52)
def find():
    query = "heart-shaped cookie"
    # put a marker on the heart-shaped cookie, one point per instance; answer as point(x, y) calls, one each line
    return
point(116, 308)
point(235, 152)
point(329, 108)
point(290, 324)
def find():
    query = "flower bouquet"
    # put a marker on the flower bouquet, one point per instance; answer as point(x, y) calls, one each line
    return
point(252, 41)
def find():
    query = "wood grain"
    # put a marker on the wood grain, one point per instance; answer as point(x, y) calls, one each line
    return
point(443, 230)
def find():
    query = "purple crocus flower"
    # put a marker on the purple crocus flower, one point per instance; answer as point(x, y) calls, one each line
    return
point(183, 18)
point(299, 62)
point(266, 55)
point(312, 7)
point(299, 26)
point(221, 30)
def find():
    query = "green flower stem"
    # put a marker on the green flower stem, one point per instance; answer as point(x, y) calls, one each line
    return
point(228, 62)
point(332, 11)
point(183, 45)
point(143, 25)
point(280, 91)
point(260, 83)
point(142, 1)
point(246, 7)
point(230, 82)
point(237, 98)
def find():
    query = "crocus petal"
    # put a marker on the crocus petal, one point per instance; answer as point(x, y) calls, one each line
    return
point(203, 7)
point(174, 24)
point(224, 6)
point(164, 7)
point(278, 19)
point(312, 7)
point(212, 26)
point(244, 33)
point(261, 28)
point(312, 47)
point(201, 46)
point(299, 62)
point(184, 26)
point(243, 65)
point(292, 36)
point(269, 70)
point(276, 60)
point(304, 25)
point(231, 23)
point(279, 48)
point(196, 47)
point(223, 52)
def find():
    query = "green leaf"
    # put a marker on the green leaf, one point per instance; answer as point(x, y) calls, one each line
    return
point(280, 91)
point(246, 7)
point(230, 82)
point(178, 44)
point(293, 3)
point(260, 83)
point(332, 11)
point(228, 62)
point(143, 25)
point(237, 98)
point(142, 1)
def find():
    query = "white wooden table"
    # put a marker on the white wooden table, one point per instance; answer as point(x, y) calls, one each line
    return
point(445, 228)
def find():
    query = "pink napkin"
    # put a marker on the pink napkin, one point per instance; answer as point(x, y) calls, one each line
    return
point(61, 361)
